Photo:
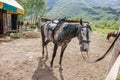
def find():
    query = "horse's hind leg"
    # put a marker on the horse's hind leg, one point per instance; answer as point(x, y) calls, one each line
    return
point(61, 55)
point(54, 54)
point(43, 44)
point(46, 43)
point(43, 40)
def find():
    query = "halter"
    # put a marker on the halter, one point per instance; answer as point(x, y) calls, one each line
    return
point(86, 41)
point(87, 35)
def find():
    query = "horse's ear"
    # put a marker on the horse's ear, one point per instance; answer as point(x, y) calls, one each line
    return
point(63, 19)
point(90, 27)
point(81, 22)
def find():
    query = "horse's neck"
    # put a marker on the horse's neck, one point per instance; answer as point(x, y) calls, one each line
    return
point(68, 30)
point(58, 27)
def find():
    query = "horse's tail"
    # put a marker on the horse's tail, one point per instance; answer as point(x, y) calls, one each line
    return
point(42, 30)
point(108, 49)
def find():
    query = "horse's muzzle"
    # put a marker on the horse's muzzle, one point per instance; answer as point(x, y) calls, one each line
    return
point(84, 46)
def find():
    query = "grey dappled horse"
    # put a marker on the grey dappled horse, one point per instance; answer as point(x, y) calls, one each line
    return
point(62, 35)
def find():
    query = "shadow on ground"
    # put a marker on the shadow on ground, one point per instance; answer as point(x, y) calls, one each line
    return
point(43, 71)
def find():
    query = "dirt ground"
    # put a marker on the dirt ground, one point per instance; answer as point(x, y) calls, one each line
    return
point(21, 60)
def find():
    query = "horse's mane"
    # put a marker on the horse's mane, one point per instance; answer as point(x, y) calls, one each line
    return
point(69, 21)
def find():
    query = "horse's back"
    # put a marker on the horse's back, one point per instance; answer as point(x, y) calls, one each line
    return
point(66, 32)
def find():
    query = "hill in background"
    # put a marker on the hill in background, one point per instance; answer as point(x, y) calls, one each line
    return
point(87, 9)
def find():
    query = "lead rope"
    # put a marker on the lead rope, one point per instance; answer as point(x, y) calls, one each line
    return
point(85, 58)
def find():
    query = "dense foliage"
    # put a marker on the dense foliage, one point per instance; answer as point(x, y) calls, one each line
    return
point(33, 8)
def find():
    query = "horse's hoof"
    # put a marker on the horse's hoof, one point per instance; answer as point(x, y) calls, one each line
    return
point(42, 56)
point(45, 59)
point(51, 68)
point(46, 56)
point(60, 68)
point(51, 65)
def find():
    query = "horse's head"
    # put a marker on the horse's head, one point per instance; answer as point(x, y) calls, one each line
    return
point(84, 36)
point(108, 35)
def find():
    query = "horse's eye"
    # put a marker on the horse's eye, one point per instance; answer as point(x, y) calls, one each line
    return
point(83, 33)
point(81, 29)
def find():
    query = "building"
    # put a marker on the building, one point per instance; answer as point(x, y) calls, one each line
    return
point(9, 11)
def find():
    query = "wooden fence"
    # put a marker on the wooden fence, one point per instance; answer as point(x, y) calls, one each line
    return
point(112, 75)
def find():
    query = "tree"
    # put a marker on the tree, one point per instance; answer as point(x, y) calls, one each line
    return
point(33, 8)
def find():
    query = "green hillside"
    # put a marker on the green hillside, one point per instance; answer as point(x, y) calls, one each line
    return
point(87, 9)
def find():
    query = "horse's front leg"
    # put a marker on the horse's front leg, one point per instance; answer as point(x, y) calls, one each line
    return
point(61, 55)
point(54, 54)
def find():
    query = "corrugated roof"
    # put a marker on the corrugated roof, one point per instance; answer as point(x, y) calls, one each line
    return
point(11, 5)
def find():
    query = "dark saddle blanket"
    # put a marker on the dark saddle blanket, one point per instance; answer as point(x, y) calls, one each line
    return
point(52, 25)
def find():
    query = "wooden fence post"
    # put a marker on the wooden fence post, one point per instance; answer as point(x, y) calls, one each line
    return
point(112, 75)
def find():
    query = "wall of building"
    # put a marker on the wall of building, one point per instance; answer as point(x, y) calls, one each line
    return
point(8, 22)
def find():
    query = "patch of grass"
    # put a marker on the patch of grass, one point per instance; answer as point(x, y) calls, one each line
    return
point(118, 78)
point(104, 31)
point(105, 26)
point(16, 37)
point(33, 26)
point(7, 33)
